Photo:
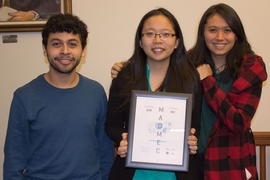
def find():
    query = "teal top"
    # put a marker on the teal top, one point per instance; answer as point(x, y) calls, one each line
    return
point(208, 118)
point(152, 174)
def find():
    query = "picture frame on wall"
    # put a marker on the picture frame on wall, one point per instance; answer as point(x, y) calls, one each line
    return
point(159, 125)
point(43, 9)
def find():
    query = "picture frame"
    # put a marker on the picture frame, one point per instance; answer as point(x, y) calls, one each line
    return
point(159, 125)
point(35, 25)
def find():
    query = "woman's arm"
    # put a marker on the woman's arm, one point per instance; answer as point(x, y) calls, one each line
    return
point(236, 108)
point(116, 118)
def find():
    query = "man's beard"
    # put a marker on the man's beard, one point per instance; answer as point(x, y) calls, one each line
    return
point(65, 71)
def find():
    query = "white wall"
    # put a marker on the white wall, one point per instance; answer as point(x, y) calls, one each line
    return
point(112, 26)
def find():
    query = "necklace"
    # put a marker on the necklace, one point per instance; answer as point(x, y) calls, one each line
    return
point(219, 69)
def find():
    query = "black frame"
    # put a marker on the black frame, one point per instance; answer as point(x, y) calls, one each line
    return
point(182, 166)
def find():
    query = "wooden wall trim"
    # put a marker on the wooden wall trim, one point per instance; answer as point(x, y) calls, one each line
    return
point(262, 139)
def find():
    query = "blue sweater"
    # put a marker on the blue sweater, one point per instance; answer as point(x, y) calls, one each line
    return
point(58, 134)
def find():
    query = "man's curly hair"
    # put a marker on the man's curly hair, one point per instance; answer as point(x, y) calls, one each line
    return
point(65, 23)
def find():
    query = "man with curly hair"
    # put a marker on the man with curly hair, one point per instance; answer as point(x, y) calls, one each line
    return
point(56, 123)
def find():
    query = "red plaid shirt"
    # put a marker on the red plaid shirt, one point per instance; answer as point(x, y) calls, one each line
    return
point(230, 147)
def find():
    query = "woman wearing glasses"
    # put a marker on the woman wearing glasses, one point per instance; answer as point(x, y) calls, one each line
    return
point(159, 63)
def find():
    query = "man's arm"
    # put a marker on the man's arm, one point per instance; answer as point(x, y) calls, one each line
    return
point(106, 147)
point(17, 141)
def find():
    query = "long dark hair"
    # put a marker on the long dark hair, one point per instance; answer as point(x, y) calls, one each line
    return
point(181, 74)
point(201, 54)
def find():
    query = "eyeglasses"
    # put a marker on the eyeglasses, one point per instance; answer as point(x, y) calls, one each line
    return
point(163, 36)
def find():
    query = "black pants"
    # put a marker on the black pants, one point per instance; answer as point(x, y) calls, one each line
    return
point(195, 170)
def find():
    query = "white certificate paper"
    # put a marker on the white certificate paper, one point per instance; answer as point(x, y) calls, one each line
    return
point(158, 130)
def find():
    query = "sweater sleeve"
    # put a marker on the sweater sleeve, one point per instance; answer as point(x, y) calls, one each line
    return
point(17, 141)
point(236, 108)
point(106, 151)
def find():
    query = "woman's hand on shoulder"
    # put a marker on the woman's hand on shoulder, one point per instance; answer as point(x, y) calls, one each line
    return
point(116, 68)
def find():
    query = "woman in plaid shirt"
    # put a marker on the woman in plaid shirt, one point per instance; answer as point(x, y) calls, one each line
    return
point(232, 76)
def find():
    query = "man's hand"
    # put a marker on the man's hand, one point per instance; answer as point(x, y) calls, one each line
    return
point(22, 16)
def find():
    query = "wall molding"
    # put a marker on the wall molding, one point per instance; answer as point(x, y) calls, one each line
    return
point(262, 139)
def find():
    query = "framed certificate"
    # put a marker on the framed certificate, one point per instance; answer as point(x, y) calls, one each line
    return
point(159, 124)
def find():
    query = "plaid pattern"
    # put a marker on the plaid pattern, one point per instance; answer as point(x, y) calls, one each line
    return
point(231, 147)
